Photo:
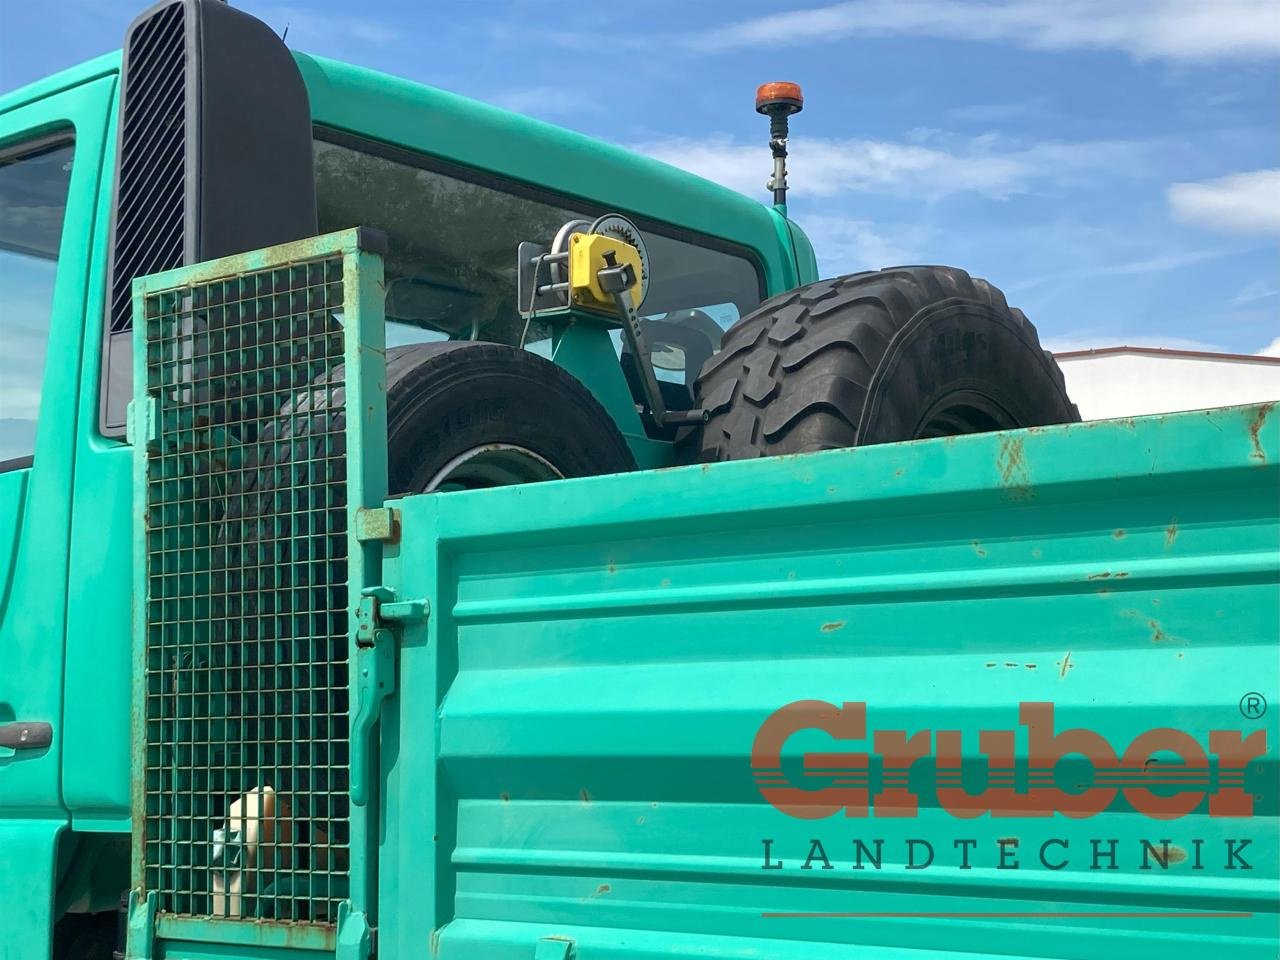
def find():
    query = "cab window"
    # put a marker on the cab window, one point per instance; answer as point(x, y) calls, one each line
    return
point(451, 260)
point(34, 178)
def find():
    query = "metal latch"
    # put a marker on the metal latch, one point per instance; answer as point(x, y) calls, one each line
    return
point(378, 605)
point(375, 665)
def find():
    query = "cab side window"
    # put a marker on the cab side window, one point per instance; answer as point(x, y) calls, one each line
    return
point(33, 201)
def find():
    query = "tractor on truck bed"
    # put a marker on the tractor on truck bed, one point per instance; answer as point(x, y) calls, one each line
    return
point(345, 612)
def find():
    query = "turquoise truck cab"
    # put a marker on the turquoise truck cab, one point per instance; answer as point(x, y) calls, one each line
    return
point(451, 180)
point(579, 692)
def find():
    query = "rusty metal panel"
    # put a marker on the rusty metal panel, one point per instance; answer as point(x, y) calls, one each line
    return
point(592, 740)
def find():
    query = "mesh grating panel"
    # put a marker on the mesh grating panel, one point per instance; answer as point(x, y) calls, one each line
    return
point(245, 811)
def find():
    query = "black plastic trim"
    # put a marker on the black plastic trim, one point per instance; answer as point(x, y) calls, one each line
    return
point(17, 463)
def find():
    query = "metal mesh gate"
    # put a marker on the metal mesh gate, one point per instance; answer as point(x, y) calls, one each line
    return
point(246, 372)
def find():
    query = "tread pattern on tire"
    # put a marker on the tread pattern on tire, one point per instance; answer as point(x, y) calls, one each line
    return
point(809, 355)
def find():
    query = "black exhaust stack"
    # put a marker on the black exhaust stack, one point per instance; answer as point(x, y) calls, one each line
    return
point(213, 157)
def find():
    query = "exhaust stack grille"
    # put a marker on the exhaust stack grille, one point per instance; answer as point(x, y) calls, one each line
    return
point(150, 214)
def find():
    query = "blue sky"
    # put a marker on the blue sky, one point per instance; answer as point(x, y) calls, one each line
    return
point(1113, 165)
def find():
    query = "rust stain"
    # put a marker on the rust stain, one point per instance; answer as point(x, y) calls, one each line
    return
point(1122, 574)
point(1008, 841)
point(991, 665)
point(1119, 534)
point(612, 567)
point(1031, 666)
point(602, 890)
point(1176, 853)
point(1100, 576)
point(506, 797)
point(1010, 665)
point(640, 820)
point(1064, 665)
point(665, 582)
point(977, 548)
point(833, 626)
point(1157, 632)
point(1012, 464)
point(584, 796)
point(1171, 534)
point(1103, 591)
point(1255, 429)
point(1037, 552)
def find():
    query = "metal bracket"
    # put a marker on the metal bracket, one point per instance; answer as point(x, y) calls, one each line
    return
point(615, 280)
point(141, 926)
point(375, 665)
point(378, 524)
point(140, 422)
point(378, 605)
point(556, 948)
point(355, 938)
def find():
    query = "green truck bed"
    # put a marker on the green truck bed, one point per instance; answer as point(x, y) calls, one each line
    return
point(571, 750)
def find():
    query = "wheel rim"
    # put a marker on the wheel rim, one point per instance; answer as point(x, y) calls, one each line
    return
point(492, 465)
point(963, 412)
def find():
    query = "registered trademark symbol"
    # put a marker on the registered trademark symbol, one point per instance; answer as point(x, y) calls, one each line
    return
point(1253, 705)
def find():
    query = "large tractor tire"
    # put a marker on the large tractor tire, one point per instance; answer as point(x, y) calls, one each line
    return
point(466, 415)
point(876, 357)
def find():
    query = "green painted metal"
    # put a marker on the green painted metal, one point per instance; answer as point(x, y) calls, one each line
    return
point(36, 524)
point(567, 753)
point(259, 426)
point(582, 346)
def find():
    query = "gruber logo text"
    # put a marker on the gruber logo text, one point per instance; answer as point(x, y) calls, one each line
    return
point(1164, 773)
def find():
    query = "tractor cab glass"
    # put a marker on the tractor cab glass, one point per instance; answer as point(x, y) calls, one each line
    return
point(33, 200)
point(451, 259)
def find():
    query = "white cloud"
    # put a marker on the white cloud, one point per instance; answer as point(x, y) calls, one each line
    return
point(1271, 350)
point(1254, 291)
point(987, 165)
point(1160, 263)
point(1238, 203)
point(844, 244)
point(1172, 29)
